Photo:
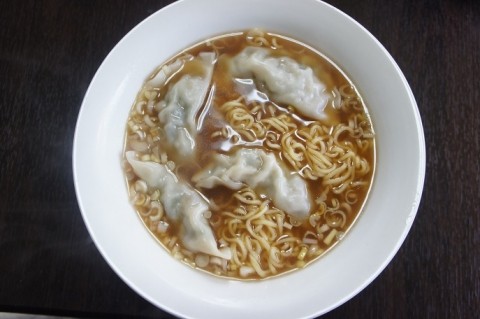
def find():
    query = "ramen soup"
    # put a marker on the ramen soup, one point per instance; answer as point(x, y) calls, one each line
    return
point(248, 155)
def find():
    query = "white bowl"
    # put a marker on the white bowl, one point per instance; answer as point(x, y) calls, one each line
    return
point(327, 283)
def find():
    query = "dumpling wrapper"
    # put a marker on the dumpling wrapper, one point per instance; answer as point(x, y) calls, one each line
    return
point(181, 105)
point(260, 171)
point(183, 206)
point(287, 81)
point(167, 71)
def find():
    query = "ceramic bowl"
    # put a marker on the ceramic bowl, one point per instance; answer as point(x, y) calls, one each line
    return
point(328, 282)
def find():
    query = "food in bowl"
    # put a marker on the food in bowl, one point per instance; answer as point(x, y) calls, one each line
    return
point(249, 154)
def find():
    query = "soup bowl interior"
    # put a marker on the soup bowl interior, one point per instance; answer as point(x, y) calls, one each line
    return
point(328, 282)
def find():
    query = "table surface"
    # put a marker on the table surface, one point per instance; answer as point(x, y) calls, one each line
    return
point(49, 52)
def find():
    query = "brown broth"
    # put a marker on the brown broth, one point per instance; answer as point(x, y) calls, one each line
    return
point(225, 90)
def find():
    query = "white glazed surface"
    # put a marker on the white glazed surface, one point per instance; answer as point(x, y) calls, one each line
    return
point(327, 283)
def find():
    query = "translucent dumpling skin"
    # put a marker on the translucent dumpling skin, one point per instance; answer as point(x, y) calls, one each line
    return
point(260, 171)
point(286, 80)
point(166, 71)
point(182, 103)
point(183, 206)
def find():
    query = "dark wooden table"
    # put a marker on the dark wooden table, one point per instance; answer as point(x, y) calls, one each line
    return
point(49, 52)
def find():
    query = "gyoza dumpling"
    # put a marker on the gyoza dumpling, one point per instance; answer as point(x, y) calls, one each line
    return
point(183, 206)
point(182, 103)
point(260, 171)
point(286, 80)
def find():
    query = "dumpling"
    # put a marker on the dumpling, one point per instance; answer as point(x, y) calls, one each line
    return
point(181, 105)
point(260, 171)
point(286, 80)
point(183, 206)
